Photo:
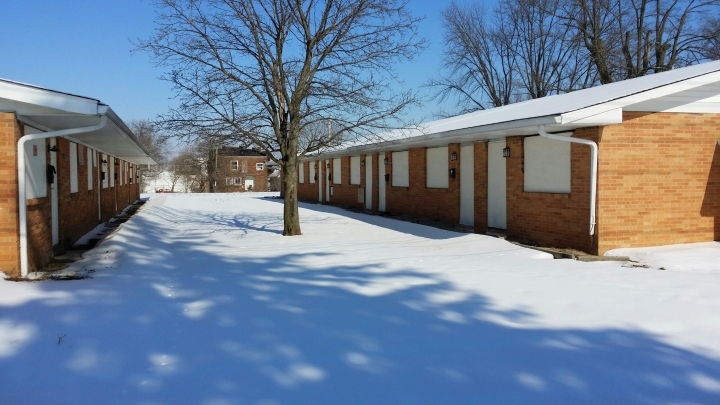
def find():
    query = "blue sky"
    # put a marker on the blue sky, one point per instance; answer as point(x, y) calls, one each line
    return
point(84, 47)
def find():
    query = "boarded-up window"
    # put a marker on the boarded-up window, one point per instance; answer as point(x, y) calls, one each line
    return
point(301, 173)
point(337, 174)
point(35, 169)
point(355, 170)
point(312, 172)
point(90, 168)
point(73, 167)
point(400, 169)
point(547, 165)
point(437, 167)
point(111, 163)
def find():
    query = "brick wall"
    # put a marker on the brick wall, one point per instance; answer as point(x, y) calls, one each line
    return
point(346, 194)
point(551, 219)
point(417, 200)
point(307, 191)
point(659, 180)
point(658, 183)
point(225, 170)
point(9, 231)
point(78, 212)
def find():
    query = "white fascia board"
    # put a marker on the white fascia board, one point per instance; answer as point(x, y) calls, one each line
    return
point(48, 99)
point(600, 110)
point(598, 115)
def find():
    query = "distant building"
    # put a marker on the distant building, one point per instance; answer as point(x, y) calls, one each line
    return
point(236, 169)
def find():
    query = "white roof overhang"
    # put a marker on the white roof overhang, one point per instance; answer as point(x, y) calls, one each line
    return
point(694, 89)
point(46, 110)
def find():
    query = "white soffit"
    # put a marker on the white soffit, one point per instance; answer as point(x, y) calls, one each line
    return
point(49, 110)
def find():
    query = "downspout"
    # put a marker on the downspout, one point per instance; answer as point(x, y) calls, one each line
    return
point(593, 167)
point(22, 194)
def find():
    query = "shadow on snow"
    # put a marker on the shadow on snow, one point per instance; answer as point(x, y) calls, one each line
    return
point(185, 325)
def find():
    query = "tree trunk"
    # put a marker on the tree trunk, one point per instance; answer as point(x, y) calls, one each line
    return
point(289, 184)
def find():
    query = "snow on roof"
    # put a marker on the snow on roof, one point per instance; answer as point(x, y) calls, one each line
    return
point(552, 110)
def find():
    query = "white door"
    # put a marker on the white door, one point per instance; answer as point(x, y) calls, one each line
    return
point(328, 182)
point(320, 179)
point(467, 186)
point(368, 182)
point(54, 207)
point(249, 183)
point(381, 182)
point(497, 208)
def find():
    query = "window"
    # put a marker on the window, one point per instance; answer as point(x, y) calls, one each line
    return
point(259, 166)
point(244, 167)
point(35, 169)
point(355, 170)
point(312, 172)
point(547, 165)
point(437, 168)
point(111, 163)
point(233, 181)
point(337, 175)
point(301, 173)
point(400, 171)
point(73, 167)
point(90, 165)
point(234, 165)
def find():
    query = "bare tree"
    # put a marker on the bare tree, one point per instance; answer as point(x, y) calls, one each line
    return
point(549, 59)
point(478, 58)
point(520, 50)
point(263, 70)
point(158, 146)
point(632, 38)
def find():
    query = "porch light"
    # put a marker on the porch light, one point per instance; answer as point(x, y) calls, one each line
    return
point(506, 152)
point(385, 161)
point(53, 148)
point(362, 163)
point(453, 156)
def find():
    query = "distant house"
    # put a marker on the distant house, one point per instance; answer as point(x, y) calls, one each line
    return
point(78, 165)
point(237, 169)
point(627, 164)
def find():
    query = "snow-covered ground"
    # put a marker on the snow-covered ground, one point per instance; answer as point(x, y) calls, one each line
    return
point(198, 299)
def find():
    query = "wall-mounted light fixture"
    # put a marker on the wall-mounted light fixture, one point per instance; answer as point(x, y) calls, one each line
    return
point(362, 162)
point(104, 161)
point(385, 161)
point(506, 152)
point(387, 177)
point(453, 156)
point(53, 148)
point(327, 165)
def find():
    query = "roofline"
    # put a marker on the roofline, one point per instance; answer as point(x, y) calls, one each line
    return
point(32, 86)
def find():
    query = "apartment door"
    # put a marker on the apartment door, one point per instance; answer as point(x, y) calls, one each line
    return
point(320, 179)
point(54, 205)
point(467, 186)
point(381, 182)
point(368, 182)
point(497, 186)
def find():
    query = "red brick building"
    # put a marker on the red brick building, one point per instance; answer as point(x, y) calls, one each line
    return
point(78, 162)
point(237, 169)
point(529, 170)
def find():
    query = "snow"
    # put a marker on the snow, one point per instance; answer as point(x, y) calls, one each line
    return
point(198, 299)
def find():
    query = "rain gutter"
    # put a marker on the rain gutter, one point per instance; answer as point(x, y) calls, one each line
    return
point(593, 166)
point(22, 193)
